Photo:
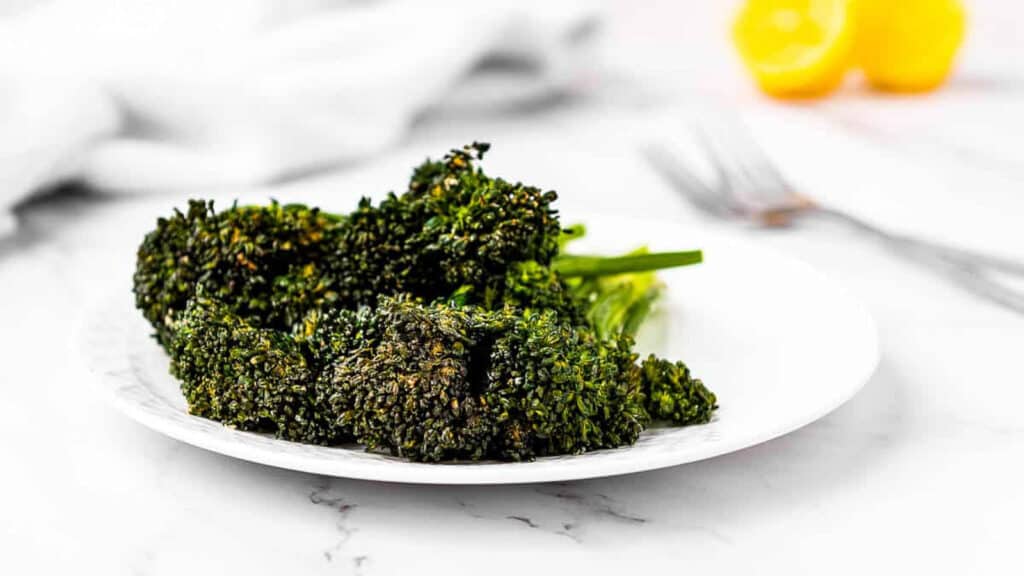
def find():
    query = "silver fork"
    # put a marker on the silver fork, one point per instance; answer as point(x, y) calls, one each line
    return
point(748, 186)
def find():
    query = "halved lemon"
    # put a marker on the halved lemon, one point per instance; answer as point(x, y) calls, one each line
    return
point(908, 45)
point(796, 48)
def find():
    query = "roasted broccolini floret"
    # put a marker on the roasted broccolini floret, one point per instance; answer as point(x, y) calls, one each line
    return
point(266, 262)
point(329, 334)
point(430, 382)
point(248, 377)
point(447, 383)
point(527, 285)
point(416, 393)
point(454, 227)
point(556, 389)
point(673, 395)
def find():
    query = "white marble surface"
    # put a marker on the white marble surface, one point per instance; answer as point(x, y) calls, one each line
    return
point(920, 472)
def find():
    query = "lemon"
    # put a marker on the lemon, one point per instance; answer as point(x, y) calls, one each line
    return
point(796, 48)
point(908, 45)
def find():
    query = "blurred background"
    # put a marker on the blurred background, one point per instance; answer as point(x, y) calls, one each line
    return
point(178, 98)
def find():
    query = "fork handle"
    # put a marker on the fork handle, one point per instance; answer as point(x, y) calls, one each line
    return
point(966, 267)
point(977, 259)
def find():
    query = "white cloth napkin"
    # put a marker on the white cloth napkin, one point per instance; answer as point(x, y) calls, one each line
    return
point(163, 95)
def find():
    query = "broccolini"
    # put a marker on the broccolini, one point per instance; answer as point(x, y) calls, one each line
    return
point(266, 262)
point(444, 323)
point(556, 389)
point(248, 377)
point(454, 227)
point(416, 393)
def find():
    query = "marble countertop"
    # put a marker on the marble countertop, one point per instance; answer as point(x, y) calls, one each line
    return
point(920, 472)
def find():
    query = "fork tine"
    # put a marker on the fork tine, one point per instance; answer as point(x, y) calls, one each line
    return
point(675, 171)
point(731, 177)
point(726, 180)
point(747, 183)
point(765, 183)
point(738, 180)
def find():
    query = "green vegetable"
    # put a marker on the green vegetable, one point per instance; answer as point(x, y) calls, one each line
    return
point(673, 395)
point(560, 390)
point(612, 295)
point(415, 393)
point(266, 262)
point(529, 285)
point(425, 382)
point(444, 323)
point(248, 377)
point(619, 303)
point(572, 265)
point(455, 226)
point(448, 383)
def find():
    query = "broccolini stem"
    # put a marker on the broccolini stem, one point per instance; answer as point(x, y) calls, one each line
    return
point(570, 233)
point(570, 265)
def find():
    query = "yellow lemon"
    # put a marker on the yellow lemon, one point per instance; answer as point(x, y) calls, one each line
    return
point(908, 45)
point(796, 48)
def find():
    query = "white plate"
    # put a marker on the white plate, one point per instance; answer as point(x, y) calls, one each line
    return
point(778, 343)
